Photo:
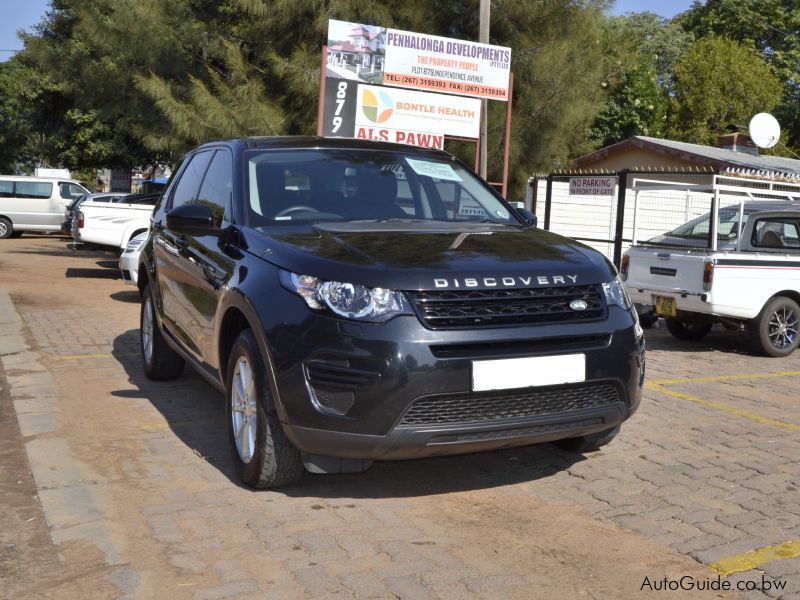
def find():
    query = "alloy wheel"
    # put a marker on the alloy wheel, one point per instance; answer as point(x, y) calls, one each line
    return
point(782, 328)
point(244, 414)
point(147, 330)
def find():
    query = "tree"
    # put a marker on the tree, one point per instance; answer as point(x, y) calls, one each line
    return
point(719, 84)
point(138, 82)
point(639, 50)
point(770, 26)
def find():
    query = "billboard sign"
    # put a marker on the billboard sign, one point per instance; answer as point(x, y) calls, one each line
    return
point(370, 112)
point(446, 65)
point(397, 108)
point(381, 56)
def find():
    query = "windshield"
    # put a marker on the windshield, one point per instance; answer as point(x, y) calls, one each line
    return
point(305, 186)
point(698, 228)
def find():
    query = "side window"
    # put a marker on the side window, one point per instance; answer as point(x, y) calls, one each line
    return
point(215, 192)
point(776, 233)
point(6, 189)
point(70, 191)
point(185, 191)
point(33, 189)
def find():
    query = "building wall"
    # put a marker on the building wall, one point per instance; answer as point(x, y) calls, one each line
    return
point(637, 157)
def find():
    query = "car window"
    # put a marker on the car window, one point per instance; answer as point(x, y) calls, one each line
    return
point(185, 190)
point(286, 186)
point(33, 189)
point(215, 192)
point(6, 189)
point(776, 232)
point(70, 191)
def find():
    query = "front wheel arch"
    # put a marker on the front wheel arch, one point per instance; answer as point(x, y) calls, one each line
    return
point(238, 302)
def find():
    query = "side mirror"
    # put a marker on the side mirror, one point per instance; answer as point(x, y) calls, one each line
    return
point(192, 219)
point(530, 219)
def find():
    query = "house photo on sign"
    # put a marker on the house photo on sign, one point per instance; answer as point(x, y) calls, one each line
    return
point(355, 51)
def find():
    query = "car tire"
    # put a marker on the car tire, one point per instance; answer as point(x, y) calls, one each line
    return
point(6, 229)
point(588, 443)
point(688, 330)
point(775, 330)
point(262, 453)
point(160, 362)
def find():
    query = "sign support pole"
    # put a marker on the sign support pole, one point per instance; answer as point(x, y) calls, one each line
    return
point(507, 140)
point(483, 37)
point(321, 104)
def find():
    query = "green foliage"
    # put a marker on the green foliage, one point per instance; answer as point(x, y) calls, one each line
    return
point(639, 51)
point(719, 84)
point(636, 105)
point(770, 26)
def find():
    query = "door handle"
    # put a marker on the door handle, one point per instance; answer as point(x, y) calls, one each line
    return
point(169, 246)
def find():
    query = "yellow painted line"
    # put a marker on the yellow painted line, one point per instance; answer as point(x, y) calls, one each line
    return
point(725, 378)
point(90, 356)
point(755, 558)
point(732, 410)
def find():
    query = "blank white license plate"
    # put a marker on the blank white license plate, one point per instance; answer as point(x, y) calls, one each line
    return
point(508, 373)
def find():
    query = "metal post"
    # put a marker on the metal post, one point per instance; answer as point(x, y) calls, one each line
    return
point(548, 201)
point(621, 192)
point(483, 37)
point(323, 66)
point(507, 140)
point(712, 226)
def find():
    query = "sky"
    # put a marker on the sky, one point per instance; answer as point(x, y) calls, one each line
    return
point(14, 15)
point(665, 8)
point(22, 14)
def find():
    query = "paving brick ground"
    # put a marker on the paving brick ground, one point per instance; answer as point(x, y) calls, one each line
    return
point(138, 474)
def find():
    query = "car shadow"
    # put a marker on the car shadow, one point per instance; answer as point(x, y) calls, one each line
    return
point(131, 296)
point(107, 263)
point(101, 273)
point(195, 413)
point(718, 340)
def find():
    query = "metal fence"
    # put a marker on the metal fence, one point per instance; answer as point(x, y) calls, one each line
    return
point(690, 209)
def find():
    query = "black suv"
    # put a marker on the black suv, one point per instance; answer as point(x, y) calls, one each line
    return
point(360, 301)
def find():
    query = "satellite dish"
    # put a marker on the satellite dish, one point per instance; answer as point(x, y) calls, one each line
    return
point(764, 130)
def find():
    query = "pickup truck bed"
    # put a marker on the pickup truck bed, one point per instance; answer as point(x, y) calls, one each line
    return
point(755, 286)
point(110, 224)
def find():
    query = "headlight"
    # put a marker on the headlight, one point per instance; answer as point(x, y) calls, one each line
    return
point(616, 294)
point(133, 245)
point(347, 300)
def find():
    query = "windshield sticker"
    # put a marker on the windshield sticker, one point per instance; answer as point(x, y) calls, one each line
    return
point(437, 170)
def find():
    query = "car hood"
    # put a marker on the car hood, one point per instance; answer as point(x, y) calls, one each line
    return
point(427, 256)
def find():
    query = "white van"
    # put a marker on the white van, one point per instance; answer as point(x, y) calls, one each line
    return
point(34, 203)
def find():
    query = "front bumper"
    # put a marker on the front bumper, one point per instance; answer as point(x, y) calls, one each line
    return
point(345, 388)
point(128, 266)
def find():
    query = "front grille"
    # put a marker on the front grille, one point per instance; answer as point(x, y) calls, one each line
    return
point(470, 308)
point(476, 407)
point(479, 436)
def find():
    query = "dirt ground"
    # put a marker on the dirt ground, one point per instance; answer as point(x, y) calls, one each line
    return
point(122, 487)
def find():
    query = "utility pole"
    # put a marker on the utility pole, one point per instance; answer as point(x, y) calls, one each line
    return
point(483, 37)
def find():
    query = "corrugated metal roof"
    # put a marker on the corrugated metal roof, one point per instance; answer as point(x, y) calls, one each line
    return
point(739, 159)
point(704, 155)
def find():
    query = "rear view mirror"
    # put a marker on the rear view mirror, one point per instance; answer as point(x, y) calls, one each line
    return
point(192, 219)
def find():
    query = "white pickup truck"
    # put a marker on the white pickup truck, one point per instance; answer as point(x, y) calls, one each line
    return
point(748, 282)
point(113, 223)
